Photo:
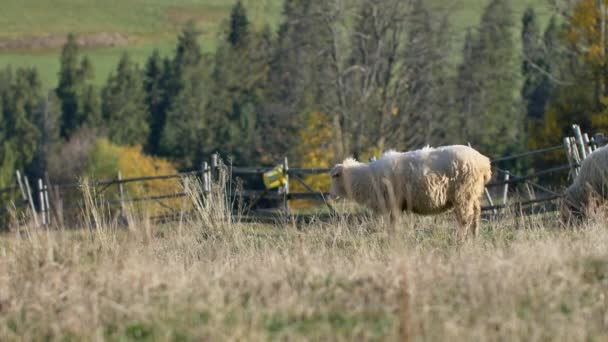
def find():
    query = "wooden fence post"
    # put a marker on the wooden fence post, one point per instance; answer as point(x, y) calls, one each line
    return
point(184, 204)
point(587, 142)
point(505, 191)
point(121, 193)
point(21, 188)
point(593, 144)
point(531, 193)
point(569, 155)
point(51, 192)
point(47, 203)
point(490, 201)
point(579, 141)
point(214, 167)
point(286, 186)
point(206, 178)
point(576, 155)
point(28, 190)
point(41, 201)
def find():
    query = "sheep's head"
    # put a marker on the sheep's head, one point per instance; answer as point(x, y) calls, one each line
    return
point(342, 178)
point(338, 186)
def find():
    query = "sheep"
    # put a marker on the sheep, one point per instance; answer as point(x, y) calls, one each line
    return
point(588, 189)
point(428, 181)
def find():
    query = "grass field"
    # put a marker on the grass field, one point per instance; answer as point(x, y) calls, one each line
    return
point(150, 24)
point(211, 278)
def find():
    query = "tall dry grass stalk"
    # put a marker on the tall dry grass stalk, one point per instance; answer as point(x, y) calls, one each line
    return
point(220, 279)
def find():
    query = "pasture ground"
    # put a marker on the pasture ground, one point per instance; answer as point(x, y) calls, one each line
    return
point(212, 279)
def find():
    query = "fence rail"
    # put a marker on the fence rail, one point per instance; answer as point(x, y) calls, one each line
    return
point(576, 149)
point(529, 154)
point(516, 180)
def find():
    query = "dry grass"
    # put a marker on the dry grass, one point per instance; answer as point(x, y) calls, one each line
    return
point(213, 279)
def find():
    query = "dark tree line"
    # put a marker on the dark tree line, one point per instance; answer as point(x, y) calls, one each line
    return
point(382, 72)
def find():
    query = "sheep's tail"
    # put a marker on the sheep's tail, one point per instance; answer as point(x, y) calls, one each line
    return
point(488, 173)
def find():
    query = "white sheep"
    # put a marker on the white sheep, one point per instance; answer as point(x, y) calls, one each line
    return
point(589, 188)
point(428, 181)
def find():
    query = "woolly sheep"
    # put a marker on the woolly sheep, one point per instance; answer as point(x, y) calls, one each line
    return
point(427, 182)
point(589, 187)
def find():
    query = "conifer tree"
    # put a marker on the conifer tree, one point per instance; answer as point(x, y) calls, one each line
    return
point(239, 26)
point(123, 105)
point(21, 103)
point(490, 111)
point(78, 103)
point(239, 76)
point(155, 81)
point(185, 92)
point(536, 88)
point(185, 137)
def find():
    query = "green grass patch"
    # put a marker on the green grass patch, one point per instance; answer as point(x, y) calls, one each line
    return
point(150, 24)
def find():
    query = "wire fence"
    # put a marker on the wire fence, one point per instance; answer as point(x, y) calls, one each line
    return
point(43, 206)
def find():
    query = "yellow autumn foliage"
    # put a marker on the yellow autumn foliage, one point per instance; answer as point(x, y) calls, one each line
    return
point(107, 159)
point(585, 30)
point(584, 102)
point(314, 150)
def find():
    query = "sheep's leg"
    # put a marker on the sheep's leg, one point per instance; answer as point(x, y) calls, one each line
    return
point(463, 216)
point(476, 218)
point(393, 219)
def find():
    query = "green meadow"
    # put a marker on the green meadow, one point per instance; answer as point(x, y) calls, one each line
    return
point(153, 24)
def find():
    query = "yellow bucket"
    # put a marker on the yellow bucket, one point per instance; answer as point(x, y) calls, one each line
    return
point(274, 178)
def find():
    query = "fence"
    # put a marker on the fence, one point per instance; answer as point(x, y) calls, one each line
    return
point(46, 207)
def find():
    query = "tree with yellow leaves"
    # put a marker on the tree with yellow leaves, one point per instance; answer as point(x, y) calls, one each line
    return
point(314, 150)
point(106, 159)
point(587, 34)
point(575, 62)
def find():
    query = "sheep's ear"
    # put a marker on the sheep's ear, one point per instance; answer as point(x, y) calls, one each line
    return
point(336, 171)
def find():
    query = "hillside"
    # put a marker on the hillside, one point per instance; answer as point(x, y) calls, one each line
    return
point(31, 32)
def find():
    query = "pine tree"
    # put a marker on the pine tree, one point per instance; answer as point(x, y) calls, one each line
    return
point(46, 120)
point(24, 101)
point(90, 104)
point(239, 77)
point(123, 105)
point(425, 93)
point(155, 81)
point(486, 97)
point(182, 133)
point(298, 75)
point(67, 89)
point(21, 96)
point(239, 26)
point(188, 53)
point(78, 103)
point(185, 136)
point(536, 88)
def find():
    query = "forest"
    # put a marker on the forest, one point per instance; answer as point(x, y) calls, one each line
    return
point(335, 79)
